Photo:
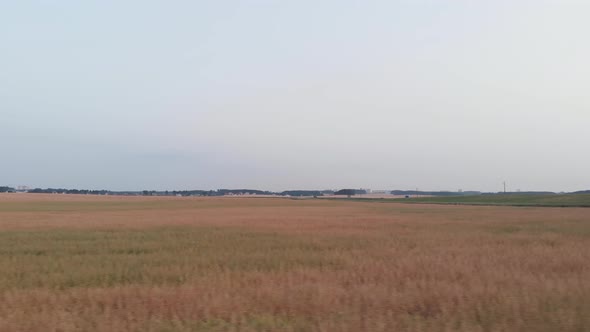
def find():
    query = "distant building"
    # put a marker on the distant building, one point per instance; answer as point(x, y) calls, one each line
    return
point(379, 192)
point(22, 189)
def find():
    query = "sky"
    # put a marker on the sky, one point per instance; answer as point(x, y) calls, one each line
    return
point(276, 95)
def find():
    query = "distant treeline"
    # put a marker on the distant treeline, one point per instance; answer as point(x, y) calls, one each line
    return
point(218, 192)
point(229, 192)
point(432, 193)
point(350, 192)
point(525, 193)
point(295, 193)
point(68, 191)
point(7, 190)
point(471, 193)
point(307, 193)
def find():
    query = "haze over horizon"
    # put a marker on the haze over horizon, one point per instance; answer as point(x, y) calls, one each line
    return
point(275, 95)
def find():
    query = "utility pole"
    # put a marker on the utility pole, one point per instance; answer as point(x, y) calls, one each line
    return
point(504, 186)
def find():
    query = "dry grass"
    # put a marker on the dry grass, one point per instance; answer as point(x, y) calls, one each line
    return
point(84, 263)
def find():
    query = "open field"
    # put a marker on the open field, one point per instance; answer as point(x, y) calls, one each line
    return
point(545, 200)
point(90, 263)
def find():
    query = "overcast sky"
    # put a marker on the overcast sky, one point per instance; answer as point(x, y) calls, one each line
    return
point(435, 95)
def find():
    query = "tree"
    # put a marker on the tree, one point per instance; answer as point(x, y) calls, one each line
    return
point(347, 192)
point(6, 190)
